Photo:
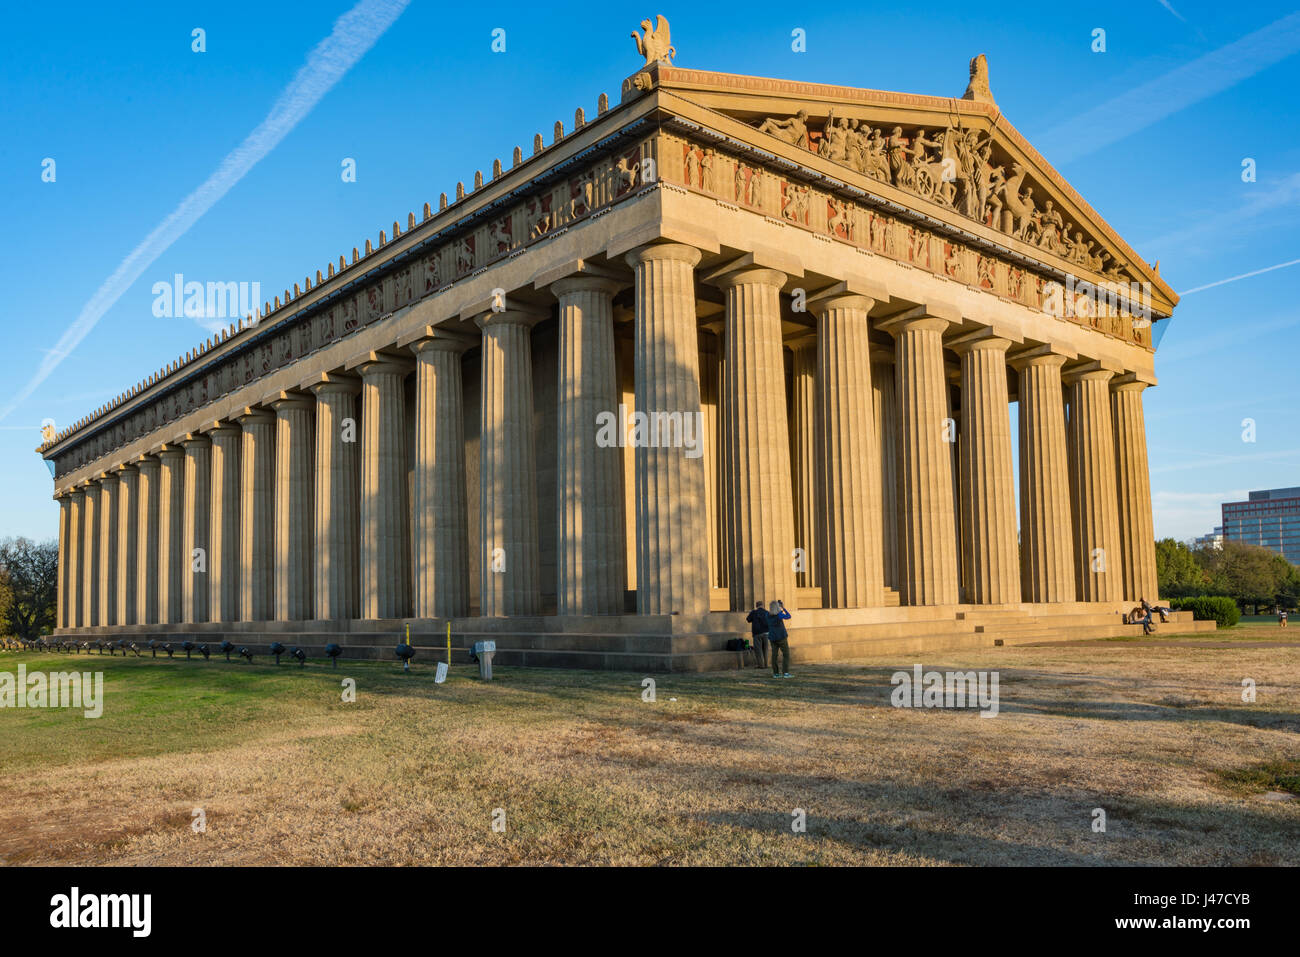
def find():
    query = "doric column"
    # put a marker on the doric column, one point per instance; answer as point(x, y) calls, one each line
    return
point(990, 563)
point(953, 433)
point(108, 569)
point(337, 500)
point(853, 572)
point(507, 468)
point(146, 595)
point(719, 526)
point(710, 406)
point(1136, 529)
point(65, 541)
point(884, 408)
point(672, 568)
point(806, 467)
point(76, 551)
point(1046, 531)
point(196, 555)
point(385, 578)
point(761, 519)
point(927, 537)
point(295, 513)
point(223, 522)
point(173, 565)
point(90, 556)
point(257, 516)
point(128, 548)
point(1097, 553)
point(440, 550)
point(589, 476)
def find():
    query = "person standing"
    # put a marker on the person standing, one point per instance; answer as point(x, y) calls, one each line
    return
point(759, 626)
point(1281, 617)
point(780, 639)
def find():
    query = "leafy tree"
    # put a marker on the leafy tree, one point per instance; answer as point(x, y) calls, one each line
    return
point(28, 596)
point(1178, 571)
point(1251, 574)
point(5, 596)
point(1288, 591)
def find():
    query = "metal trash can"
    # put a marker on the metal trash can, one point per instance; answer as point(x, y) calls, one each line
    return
point(483, 652)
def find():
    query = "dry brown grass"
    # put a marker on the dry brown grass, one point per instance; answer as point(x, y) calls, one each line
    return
point(587, 773)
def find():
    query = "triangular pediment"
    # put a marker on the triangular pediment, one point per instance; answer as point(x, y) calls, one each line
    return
point(954, 159)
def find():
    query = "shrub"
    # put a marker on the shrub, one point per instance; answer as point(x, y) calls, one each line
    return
point(1209, 607)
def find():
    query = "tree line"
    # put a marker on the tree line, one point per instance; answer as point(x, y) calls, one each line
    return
point(1256, 578)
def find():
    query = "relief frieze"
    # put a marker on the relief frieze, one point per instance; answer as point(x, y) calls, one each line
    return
point(530, 219)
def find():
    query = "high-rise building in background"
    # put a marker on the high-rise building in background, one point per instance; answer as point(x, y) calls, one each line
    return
point(1270, 518)
point(1213, 540)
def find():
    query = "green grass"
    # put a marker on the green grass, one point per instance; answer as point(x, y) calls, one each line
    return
point(1245, 630)
point(589, 773)
point(1272, 776)
point(156, 706)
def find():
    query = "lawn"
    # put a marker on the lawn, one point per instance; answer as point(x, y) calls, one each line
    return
point(584, 771)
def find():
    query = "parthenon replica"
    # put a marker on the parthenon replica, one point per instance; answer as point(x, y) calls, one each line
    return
point(731, 340)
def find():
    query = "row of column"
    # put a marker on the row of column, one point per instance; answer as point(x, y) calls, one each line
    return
point(1085, 504)
point(301, 509)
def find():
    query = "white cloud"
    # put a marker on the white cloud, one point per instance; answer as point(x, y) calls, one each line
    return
point(1170, 7)
point(1245, 275)
point(354, 33)
point(1212, 460)
point(1248, 215)
point(1150, 102)
point(1184, 515)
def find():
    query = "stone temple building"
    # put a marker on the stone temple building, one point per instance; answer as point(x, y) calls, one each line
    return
point(733, 339)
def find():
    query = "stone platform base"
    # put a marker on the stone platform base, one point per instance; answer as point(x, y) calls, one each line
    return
point(676, 643)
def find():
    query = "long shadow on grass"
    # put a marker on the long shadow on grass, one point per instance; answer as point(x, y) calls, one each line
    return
point(1138, 832)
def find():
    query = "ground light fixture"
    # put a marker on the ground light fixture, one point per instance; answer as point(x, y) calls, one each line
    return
point(169, 649)
point(136, 648)
point(299, 654)
point(227, 647)
point(153, 647)
point(187, 647)
point(277, 649)
point(245, 653)
point(333, 651)
point(203, 650)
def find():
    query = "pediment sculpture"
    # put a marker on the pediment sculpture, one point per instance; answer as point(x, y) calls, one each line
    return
point(954, 167)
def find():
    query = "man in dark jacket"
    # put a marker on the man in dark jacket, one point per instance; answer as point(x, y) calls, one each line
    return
point(758, 623)
point(777, 616)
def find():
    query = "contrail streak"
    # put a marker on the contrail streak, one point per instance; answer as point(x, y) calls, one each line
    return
point(354, 33)
point(1245, 275)
point(1165, 95)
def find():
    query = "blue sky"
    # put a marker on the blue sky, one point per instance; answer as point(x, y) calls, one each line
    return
point(136, 121)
